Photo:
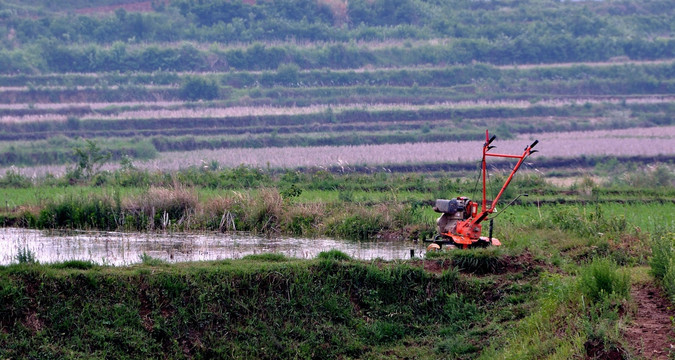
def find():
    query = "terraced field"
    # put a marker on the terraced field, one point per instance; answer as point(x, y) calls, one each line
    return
point(342, 98)
point(40, 127)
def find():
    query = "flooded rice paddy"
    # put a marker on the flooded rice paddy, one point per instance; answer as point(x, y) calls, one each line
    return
point(116, 248)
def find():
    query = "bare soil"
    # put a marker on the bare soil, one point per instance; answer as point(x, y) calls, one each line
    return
point(651, 333)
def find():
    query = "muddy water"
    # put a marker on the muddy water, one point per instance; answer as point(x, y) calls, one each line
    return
point(114, 248)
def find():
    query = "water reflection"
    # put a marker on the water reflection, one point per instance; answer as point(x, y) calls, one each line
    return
point(114, 248)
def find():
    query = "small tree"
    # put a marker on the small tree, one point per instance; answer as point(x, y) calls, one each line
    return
point(89, 159)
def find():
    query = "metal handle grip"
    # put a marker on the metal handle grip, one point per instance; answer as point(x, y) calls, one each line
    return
point(534, 143)
point(491, 139)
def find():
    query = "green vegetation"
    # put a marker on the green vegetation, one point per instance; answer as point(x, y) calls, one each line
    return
point(562, 266)
point(353, 206)
point(477, 261)
point(97, 86)
point(663, 260)
point(319, 308)
point(555, 32)
point(510, 302)
point(197, 88)
point(25, 256)
point(173, 76)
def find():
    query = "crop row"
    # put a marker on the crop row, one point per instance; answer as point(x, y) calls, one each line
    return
point(288, 75)
point(288, 115)
point(561, 145)
point(646, 142)
point(624, 112)
point(146, 143)
point(305, 96)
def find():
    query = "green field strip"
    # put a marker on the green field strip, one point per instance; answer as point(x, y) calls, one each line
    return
point(446, 76)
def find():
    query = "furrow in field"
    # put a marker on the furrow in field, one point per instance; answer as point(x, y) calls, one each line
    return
point(247, 111)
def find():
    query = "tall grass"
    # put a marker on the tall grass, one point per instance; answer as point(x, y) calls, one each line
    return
point(551, 331)
point(25, 256)
point(662, 261)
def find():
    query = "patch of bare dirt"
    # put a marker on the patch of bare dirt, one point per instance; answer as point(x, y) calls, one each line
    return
point(524, 262)
point(33, 322)
point(651, 333)
point(598, 350)
point(436, 266)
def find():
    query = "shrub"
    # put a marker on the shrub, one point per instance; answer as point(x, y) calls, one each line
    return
point(89, 158)
point(14, 179)
point(601, 280)
point(198, 88)
point(243, 177)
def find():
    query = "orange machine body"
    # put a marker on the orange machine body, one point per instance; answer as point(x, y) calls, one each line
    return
point(467, 232)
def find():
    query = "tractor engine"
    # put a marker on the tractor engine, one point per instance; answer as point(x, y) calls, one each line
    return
point(453, 211)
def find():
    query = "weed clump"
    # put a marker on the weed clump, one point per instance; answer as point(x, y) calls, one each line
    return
point(662, 261)
point(79, 212)
point(361, 226)
point(585, 224)
point(160, 207)
point(479, 261)
point(455, 346)
point(25, 256)
point(150, 261)
point(333, 255)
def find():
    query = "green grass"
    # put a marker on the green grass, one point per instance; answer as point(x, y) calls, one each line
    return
point(39, 196)
point(560, 267)
point(244, 308)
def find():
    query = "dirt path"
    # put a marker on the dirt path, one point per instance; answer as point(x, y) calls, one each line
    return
point(651, 332)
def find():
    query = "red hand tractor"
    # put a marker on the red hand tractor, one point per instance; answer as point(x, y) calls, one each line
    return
point(460, 222)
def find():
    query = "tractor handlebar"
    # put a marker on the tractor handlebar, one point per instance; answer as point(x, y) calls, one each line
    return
point(491, 140)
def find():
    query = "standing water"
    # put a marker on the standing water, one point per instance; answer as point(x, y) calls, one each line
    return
point(115, 248)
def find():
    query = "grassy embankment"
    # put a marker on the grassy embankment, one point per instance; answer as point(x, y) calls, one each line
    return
point(557, 271)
